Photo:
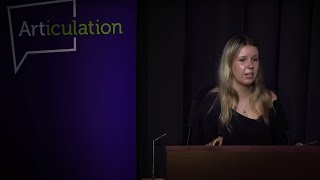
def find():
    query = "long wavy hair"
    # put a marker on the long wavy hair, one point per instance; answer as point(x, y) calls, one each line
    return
point(260, 100)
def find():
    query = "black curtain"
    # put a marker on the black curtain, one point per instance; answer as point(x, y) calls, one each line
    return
point(180, 44)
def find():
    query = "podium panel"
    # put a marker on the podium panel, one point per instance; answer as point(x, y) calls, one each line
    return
point(243, 162)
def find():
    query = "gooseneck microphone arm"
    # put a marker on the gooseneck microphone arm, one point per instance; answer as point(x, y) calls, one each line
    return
point(153, 152)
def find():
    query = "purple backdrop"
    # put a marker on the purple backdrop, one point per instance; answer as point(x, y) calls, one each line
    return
point(71, 115)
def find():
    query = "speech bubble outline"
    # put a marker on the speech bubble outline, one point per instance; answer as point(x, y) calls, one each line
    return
point(17, 67)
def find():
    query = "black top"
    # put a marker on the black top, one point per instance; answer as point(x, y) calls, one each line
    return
point(243, 130)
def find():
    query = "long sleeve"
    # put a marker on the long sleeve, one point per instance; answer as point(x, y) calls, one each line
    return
point(278, 125)
point(203, 121)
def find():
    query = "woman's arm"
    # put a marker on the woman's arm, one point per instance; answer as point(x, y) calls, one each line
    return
point(278, 123)
point(203, 120)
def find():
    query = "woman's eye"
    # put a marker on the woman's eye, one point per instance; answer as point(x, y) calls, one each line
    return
point(255, 59)
point(242, 60)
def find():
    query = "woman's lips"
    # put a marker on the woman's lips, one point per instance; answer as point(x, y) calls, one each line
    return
point(249, 75)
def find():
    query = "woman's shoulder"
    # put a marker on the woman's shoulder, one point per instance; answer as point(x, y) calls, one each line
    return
point(213, 93)
point(209, 99)
point(273, 96)
point(213, 96)
point(273, 99)
point(276, 106)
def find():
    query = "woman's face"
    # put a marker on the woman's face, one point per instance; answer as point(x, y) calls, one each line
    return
point(245, 66)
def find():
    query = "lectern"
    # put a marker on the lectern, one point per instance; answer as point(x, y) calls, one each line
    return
point(243, 162)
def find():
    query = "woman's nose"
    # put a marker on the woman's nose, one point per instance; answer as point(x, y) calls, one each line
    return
point(250, 64)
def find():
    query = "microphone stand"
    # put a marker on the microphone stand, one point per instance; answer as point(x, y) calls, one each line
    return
point(153, 153)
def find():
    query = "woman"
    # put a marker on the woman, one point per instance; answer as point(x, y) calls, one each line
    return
point(240, 111)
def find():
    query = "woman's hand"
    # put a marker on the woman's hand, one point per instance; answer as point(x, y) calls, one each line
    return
point(216, 142)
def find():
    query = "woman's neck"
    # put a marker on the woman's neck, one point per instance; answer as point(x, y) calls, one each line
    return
point(244, 92)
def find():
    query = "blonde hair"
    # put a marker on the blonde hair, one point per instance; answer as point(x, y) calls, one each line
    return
point(261, 99)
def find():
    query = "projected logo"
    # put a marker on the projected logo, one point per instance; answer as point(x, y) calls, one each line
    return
point(50, 27)
point(25, 29)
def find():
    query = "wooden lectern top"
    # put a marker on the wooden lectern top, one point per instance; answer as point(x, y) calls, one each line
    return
point(242, 162)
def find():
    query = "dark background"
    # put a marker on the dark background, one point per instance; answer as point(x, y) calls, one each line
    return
point(179, 46)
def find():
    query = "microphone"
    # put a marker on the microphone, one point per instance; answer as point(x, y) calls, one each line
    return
point(188, 139)
point(288, 138)
point(153, 141)
point(311, 143)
